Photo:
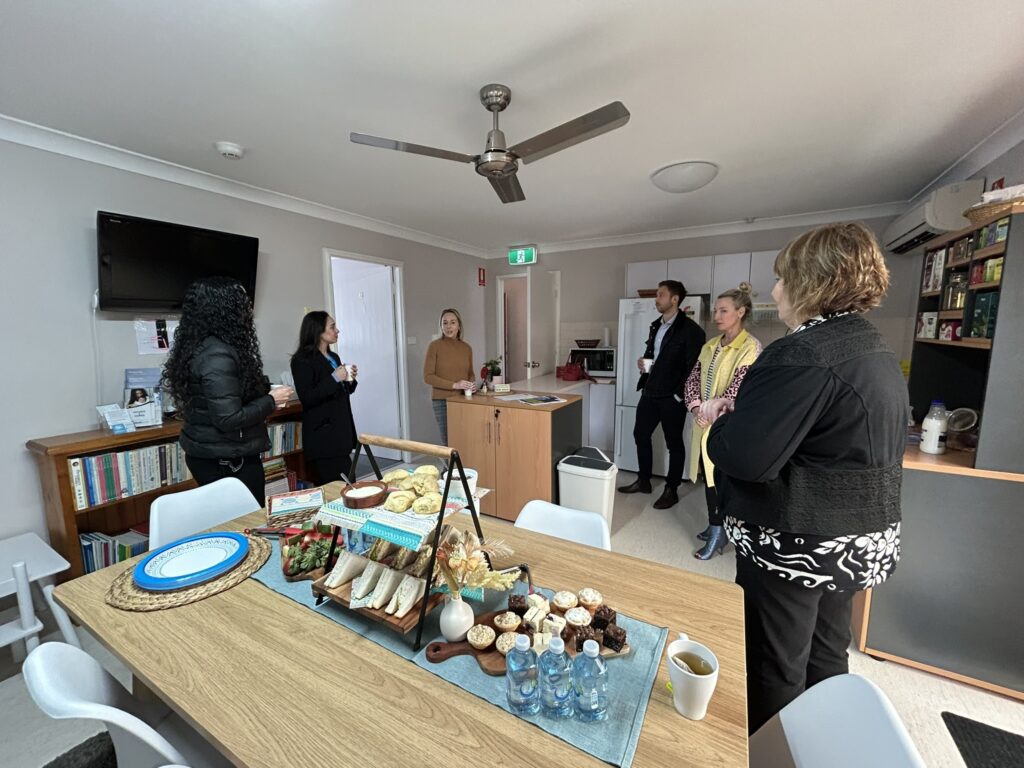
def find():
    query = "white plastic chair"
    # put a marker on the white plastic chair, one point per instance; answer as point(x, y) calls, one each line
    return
point(176, 515)
point(842, 722)
point(588, 528)
point(66, 682)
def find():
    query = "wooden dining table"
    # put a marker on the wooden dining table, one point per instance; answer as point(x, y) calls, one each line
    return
point(271, 683)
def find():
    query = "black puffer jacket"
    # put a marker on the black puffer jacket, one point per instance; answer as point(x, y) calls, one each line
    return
point(218, 424)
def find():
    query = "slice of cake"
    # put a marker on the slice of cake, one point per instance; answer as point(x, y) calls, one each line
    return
point(582, 635)
point(517, 604)
point(614, 637)
point(603, 616)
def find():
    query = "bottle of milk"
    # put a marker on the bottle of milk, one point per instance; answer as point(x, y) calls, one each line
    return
point(933, 428)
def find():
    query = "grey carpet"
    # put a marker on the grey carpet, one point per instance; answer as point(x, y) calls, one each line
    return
point(984, 746)
point(95, 752)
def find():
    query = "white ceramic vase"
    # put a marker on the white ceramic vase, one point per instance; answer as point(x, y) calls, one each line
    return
point(456, 618)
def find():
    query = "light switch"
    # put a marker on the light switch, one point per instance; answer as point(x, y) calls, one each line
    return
point(410, 339)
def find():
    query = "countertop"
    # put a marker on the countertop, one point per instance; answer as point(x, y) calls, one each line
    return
point(495, 401)
point(952, 463)
point(551, 384)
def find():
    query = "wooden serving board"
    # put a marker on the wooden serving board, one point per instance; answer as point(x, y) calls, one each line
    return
point(491, 661)
point(343, 596)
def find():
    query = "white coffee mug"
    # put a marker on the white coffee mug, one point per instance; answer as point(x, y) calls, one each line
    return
point(648, 364)
point(351, 373)
point(691, 692)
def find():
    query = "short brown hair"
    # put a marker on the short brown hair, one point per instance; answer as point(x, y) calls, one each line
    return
point(834, 268)
point(450, 311)
point(674, 288)
point(740, 299)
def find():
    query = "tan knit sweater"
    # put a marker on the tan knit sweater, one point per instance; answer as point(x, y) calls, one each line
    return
point(448, 361)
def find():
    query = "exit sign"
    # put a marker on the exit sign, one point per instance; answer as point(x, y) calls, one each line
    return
point(522, 254)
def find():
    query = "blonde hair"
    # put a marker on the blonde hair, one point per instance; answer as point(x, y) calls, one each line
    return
point(440, 321)
point(834, 268)
point(740, 300)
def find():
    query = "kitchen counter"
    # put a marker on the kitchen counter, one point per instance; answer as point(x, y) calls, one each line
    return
point(553, 385)
point(598, 428)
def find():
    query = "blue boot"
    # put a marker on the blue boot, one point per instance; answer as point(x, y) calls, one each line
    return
point(703, 535)
point(716, 542)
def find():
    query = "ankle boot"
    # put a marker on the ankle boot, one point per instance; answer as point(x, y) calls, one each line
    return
point(703, 535)
point(716, 542)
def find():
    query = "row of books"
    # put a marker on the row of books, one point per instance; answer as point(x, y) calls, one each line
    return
point(113, 476)
point(285, 437)
point(277, 477)
point(100, 550)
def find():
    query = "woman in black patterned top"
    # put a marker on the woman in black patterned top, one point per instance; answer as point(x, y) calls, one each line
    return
point(811, 464)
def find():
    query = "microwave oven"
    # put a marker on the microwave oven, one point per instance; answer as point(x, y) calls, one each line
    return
point(599, 362)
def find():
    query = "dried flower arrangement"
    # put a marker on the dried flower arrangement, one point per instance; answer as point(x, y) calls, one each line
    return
point(461, 562)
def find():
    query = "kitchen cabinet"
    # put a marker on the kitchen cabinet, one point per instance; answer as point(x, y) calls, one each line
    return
point(514, 447)
point(643, 275)
point(694, 273)
point(762, 275)
point(731, 269)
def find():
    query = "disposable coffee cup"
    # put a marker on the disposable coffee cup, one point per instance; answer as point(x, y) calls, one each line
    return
point(691, 692)
point(648, 363)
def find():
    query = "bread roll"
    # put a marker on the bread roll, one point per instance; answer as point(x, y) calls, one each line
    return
point(427, 469)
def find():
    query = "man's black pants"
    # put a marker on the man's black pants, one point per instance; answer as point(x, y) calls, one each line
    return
point(795, 636)
point(671, 414)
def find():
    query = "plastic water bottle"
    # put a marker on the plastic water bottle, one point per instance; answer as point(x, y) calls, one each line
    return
point(933, 428)
point(590, 683)
point(556, 680)
point(521, 678)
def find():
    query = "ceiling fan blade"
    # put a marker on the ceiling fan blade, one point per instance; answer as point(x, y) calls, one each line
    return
point(508, 188)
point(404, 146)
point(607, 118)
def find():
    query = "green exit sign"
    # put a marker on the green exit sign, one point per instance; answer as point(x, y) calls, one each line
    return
point(522, 254)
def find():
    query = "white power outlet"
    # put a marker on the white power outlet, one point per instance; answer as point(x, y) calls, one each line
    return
point(410, 340)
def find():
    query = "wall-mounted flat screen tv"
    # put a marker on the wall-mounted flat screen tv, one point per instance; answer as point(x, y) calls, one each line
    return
point(146, 265)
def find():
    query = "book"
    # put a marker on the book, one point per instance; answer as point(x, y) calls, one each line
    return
point(77, 483)
point(927, 325)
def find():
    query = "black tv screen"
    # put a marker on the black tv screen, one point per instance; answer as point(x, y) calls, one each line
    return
point(147, 265)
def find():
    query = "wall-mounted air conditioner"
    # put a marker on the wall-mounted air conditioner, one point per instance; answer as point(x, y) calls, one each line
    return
point(941, 211)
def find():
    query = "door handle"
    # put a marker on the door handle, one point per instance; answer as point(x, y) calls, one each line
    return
point(534, 364)
point(499, 433)
point(526, 365)
point(488, 433)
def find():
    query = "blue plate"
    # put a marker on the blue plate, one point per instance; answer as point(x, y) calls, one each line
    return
point(191, 561)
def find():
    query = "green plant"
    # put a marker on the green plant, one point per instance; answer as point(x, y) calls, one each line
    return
point(493, 367)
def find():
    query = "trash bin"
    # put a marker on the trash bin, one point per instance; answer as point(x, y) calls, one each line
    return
point(586, 480)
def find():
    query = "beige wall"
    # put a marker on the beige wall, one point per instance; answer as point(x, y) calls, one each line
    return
point(49, 386)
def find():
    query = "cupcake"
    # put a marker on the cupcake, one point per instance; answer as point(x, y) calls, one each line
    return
point(563, 601)
point(508, 621)
point(506, 642)
point(590, 599)
point(578, 617)
point(480, 636)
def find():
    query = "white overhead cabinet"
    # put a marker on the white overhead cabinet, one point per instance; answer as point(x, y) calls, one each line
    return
point(708, 275)
point(762, 275)
point(644, 275)
point(694, 273)
point(731, 269)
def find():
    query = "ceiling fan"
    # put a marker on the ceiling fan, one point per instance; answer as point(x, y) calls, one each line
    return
point(499, 162)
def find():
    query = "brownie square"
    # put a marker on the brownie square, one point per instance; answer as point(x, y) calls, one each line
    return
point(582, 635)
point(614, 637)
point(603, 616)
point(517, 604)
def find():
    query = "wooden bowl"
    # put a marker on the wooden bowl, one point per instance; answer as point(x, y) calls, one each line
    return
point(364, 502)
point(647, 293)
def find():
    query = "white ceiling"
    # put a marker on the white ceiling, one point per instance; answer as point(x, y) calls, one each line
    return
point(807, 105)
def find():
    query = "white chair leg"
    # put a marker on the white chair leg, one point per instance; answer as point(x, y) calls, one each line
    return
point(26, 612)
point(63, 620)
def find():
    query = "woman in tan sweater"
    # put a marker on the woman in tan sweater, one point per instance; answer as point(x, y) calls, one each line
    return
point(449, 366)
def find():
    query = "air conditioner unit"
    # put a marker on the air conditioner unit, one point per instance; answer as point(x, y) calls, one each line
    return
point(941, 211)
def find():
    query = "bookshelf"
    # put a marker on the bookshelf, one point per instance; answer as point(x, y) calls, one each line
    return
point(65, 522)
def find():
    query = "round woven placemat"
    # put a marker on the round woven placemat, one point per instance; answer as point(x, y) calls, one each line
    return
point(124, 594)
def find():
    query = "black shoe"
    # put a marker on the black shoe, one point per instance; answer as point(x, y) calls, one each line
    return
point(637, 486)
point(669, 498)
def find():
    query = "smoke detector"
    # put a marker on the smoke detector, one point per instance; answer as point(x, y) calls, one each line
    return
point(229, 149)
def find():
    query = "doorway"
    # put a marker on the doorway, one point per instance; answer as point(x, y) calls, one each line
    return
point(364, 296)
point(529, 313)
point(515, 324)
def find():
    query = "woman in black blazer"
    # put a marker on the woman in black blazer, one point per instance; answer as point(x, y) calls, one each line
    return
point(324, 385)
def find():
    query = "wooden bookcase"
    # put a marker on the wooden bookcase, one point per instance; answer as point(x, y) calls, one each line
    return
point(65, 522)
point(979, 373)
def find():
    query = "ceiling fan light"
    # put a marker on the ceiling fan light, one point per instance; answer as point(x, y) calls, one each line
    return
point(687, 176)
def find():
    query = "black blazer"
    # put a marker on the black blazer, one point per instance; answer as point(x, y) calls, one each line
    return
point(328, 429)
point(679, 352)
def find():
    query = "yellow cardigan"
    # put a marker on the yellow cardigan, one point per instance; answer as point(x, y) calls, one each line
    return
point(740, 353)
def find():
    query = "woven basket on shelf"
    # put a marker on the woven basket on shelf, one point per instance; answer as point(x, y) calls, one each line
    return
point(985, 211)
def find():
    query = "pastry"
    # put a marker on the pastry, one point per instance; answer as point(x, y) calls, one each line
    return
point(614, 637)
point(554, 624)
point(578, 617)
point(424, 484)
point(399, 501)
point(506, 642)
point(508, 621)
point(427, 469)
point(534, 618)
point(563, 601)
point(537, 600)
point(590, 599)
point(480, 636)
point(517, 604)
point(540, 641)
point(395, 476)
point(368, 580)
point(427, 505)
point(406, 596)
point(349, 566)
point(603, 616)
point(582, 634)
point(406, 484)
point(387, 584)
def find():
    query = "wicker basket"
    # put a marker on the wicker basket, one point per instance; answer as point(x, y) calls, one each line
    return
point(985, 211)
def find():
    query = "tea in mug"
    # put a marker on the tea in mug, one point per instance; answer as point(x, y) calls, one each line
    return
point(691, 662)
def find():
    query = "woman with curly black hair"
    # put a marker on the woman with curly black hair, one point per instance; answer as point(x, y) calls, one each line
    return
point(214, 373)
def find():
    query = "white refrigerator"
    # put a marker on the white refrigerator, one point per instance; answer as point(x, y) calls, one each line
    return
point(635, 318)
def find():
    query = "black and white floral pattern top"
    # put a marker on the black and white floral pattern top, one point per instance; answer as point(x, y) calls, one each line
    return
point(850, 562)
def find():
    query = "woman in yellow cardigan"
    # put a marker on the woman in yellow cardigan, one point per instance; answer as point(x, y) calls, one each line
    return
point(711, 389)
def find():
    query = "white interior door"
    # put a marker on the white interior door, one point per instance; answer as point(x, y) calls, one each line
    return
point(365, 303)
point(542, 291)
point(513, 321)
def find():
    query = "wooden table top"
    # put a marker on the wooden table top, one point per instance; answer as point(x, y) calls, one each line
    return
point(271, 683)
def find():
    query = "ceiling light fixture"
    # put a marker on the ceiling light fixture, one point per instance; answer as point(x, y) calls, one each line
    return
point(687, 176)
point(229, 149)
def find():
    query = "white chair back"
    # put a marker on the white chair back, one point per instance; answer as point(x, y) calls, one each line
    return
point(66, 682)
point(842, 722)
point(588, 528)
point(176, 515)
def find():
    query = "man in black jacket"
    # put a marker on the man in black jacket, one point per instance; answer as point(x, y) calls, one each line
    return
point(673, 345)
